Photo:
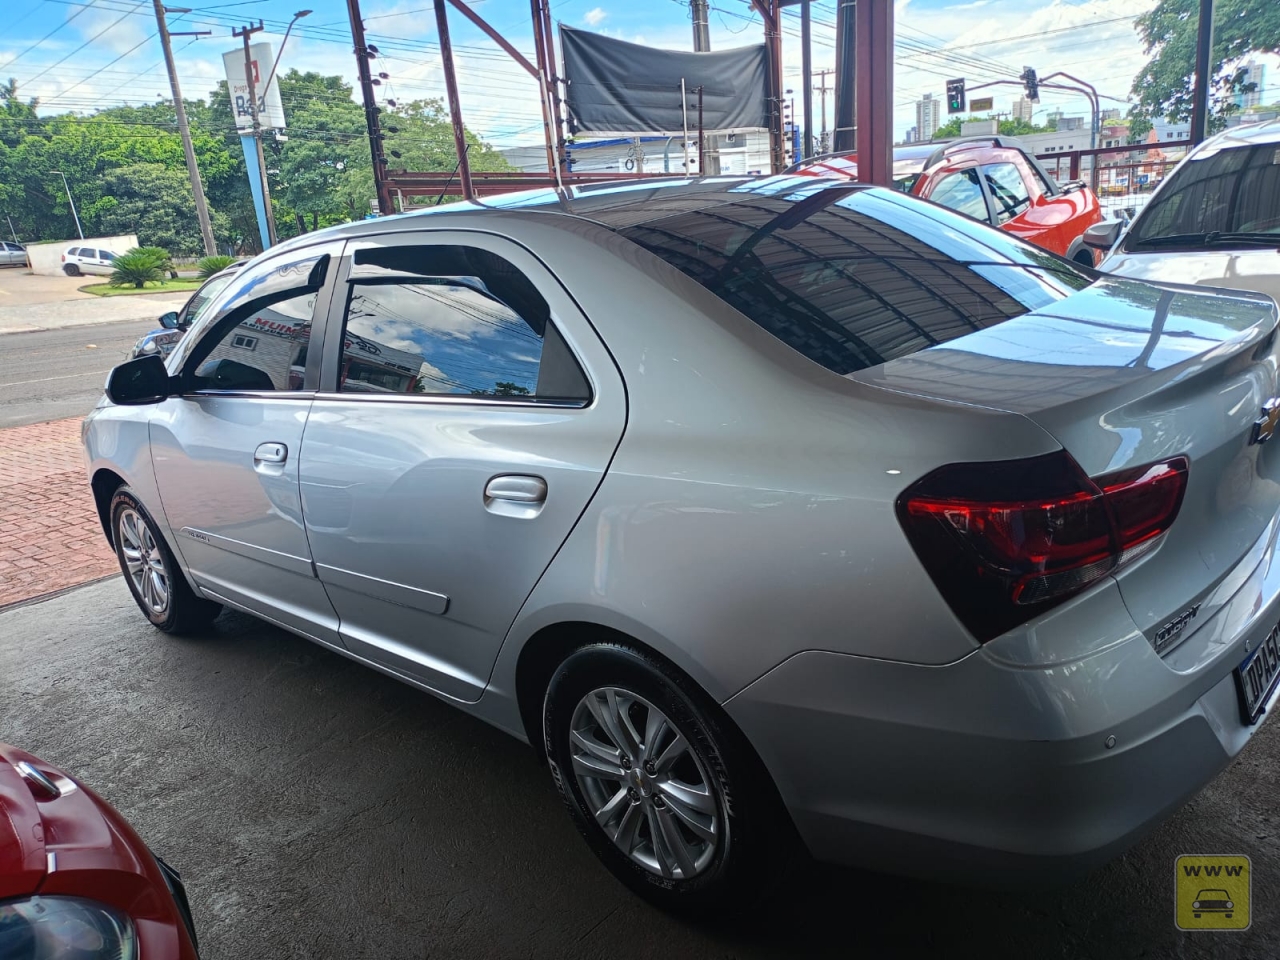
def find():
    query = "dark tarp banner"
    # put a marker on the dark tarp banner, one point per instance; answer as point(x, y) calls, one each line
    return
point(622, 87)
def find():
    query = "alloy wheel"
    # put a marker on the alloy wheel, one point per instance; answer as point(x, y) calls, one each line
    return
point(144, 562)
point(644, 784)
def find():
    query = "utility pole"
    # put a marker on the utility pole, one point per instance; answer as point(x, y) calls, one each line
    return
point(66, 187)
point(701, 32)
point(245, 33)
point(197, 188)
point(806, 79)
point(381, 188)
point(825, 145)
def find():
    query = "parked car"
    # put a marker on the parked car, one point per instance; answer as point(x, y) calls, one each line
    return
point(1214, 221)
point(13, 254)
point(75, 879)
point(176, 323)
point(995, 180)
point(93, 260)
point(751, 504)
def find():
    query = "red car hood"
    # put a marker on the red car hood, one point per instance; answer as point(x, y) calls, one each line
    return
point(22, 848)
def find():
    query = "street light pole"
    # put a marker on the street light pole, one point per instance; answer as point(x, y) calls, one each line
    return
point(79, 229)
point(184, 128)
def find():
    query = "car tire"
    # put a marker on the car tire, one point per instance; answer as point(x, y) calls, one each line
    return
point(71, 270)
point(744, 844)
point(155, 579)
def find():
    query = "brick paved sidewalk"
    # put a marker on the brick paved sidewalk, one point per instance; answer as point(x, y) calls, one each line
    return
point(50, 537)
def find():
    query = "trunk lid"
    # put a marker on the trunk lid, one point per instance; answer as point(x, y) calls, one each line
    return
point(1124, 374)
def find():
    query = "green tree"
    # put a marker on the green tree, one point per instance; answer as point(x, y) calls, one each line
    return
point(1164, 87)
point(152, 201)
point(1016, 127)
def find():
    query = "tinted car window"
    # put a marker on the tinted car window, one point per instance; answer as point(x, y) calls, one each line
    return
point(191, 312)
point(852, 278)
point(1233, 190)
point(962, 193)
point(266, 350)
point(106, 255)
point(1007, 190)
point(451, 320)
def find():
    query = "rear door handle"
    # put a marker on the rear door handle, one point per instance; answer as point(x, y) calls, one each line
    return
point(517, 488)
point(271, 453)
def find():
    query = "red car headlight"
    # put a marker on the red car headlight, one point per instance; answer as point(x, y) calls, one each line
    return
point(64, 928)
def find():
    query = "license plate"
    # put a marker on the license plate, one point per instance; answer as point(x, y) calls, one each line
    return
point(1257, 676)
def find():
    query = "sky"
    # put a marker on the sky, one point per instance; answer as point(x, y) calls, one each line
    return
point(82, 55)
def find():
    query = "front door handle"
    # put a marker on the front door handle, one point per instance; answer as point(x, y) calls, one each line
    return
point(271, 453)
point(516, 488)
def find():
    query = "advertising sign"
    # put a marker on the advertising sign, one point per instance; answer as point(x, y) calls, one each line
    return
point(270, 109)
point(982, 104)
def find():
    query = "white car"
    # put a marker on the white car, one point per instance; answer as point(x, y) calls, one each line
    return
point(1215, 221)
point(95, 260)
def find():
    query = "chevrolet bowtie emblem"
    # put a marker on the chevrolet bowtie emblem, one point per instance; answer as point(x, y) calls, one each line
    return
point(1265, 426)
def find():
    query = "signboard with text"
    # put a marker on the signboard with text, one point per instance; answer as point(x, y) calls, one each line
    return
point(982, 104)
point(270, 109)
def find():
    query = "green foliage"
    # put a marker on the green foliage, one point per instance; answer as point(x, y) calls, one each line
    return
point(208, 266)
point(126, 169)
point(1016, 127)
point(138, 267)
point(1164, 87)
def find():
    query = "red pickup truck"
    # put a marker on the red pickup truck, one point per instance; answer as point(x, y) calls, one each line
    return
point(993, 179)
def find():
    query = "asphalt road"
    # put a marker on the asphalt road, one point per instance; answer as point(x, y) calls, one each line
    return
point(319, 809)
point(51, 374)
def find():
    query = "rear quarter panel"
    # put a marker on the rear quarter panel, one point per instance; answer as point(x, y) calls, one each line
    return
point(749, 511)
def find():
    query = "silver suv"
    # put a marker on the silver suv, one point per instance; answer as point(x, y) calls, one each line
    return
point(763, 509)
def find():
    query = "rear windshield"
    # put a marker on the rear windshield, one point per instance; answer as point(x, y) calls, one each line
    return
point(1232, 191)
point(851, 277)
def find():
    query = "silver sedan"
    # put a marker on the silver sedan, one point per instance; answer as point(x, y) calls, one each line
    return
point(776, 515)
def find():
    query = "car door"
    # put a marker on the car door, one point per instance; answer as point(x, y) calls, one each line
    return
point(468, 413)
point(1026, 210)
point(104, 262)
point(226, 449)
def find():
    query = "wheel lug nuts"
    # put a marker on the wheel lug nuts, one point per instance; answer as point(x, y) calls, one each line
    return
point(633, 796)
point(650, 767)
point(626, 763)
point(659, 802)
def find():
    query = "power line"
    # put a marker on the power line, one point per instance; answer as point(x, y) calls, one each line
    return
point(50, 33)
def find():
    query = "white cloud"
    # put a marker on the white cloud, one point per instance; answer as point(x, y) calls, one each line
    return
point(594, 16)
point(968, 6)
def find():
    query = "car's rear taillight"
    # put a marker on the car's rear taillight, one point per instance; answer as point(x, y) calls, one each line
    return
point(1005, 541)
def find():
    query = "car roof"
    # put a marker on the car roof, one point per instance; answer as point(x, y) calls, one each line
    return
point(614, 205)
point(1245, 135)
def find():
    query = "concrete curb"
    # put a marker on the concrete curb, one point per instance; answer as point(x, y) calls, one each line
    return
point(52, 594)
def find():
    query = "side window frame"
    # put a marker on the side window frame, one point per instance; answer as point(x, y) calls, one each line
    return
point(223, 323)
point(982, 187)
point(543, 280)
point(996, 207)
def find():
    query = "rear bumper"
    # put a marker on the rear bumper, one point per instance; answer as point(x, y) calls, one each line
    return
point(984, 770)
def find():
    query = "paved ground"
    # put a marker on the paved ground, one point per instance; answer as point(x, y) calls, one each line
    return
point(319, 809)
point(51, 374)
point(29, 302)
point(19, 287)
point(50, 537)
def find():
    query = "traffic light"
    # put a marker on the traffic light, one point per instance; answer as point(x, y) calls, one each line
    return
point(1032, 83)
point(955, 96)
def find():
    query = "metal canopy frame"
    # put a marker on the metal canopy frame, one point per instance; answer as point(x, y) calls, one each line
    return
point(872, 64)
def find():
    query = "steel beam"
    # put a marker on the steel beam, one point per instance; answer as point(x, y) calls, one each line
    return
point(873, 35)
point(455, 104)
point(1204, 78)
